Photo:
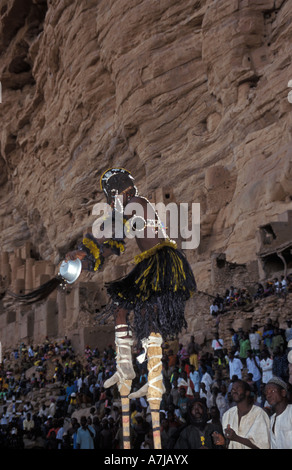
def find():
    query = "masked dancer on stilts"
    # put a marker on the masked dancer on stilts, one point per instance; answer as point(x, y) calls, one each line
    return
point(155, 290)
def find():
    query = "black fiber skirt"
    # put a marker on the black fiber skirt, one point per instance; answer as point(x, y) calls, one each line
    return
point(156, 290)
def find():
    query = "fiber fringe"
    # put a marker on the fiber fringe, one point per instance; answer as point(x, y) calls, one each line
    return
point(156, 290)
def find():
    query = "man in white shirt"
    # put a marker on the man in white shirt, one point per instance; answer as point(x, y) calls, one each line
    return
point(245, 425)
point(281, 421)
point(195, 378)
point(266, 365)
point(206, 378)
point(283, 285)
point(214, 309)
point(235, 366)
point(254, 339)
point(253, 367)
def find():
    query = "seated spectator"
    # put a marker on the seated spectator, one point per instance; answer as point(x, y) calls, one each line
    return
point(214, 309)
point(260, 292)
point(269, 289)
point(220, 302)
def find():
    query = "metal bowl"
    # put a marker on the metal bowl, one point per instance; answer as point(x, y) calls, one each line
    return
point(70, 270)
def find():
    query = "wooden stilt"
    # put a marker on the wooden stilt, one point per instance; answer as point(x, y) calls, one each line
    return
point(155, 416)
point(124, 389)
point(123, 376)
point(156, 387)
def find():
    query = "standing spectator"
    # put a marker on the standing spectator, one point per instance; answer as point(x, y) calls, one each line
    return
point(206, 378)
point(288, 331)
point(72, 432)
point(106, 436)
point(283, 286)
point(222, 400)
point(85, 435)
point(52, 408)
point(30, 352)
point(234, 339)
point(139, 432)
point(167, 434)
point(174, 393)
point(255, 340)
point(281, 421)
point(28, 426)
point(172, 358)
point(235, 366)
point(280, 364)
point(277, 340)
point(217, 344)
point(182, 353)
point(277, 286)
point(245, 425)
point(244, 346)
point(266, 365)
point(60, 433)
point(206, 395)
point(97, 428)
point(43, 412)
point(193, 351)
point(182, 403)
point(195, 379)
point(53, 429)
point(268, 335)
point(253, 367)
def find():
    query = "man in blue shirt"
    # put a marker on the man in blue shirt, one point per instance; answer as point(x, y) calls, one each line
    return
point(85, 435)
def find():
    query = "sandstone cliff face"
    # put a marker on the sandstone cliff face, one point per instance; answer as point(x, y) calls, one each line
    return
point(190, 96)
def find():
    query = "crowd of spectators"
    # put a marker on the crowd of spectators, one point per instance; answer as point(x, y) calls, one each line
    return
point(202, 389)
point(241, 297)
